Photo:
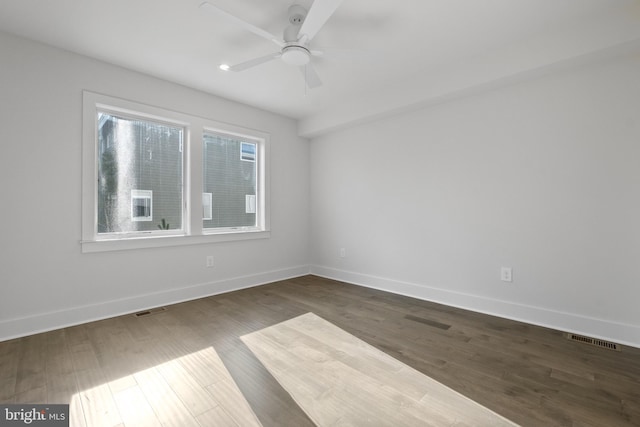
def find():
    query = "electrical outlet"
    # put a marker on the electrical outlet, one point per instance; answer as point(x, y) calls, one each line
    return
point(506, 274)
point(210, 261)
point(343, 253)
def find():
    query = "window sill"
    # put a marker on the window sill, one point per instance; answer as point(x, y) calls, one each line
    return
point(91, 246)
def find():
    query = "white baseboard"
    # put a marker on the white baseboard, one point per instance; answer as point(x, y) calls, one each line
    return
point(29, 325)
point(597, 328)
point(603, 329)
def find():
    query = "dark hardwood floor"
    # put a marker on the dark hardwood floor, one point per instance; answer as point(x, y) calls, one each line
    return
point(531, 375)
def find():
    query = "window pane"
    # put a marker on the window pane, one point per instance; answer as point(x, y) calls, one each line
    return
point(230, 176)
point(139, 175)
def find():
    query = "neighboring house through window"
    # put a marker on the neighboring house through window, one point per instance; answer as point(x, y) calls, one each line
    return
point(230, 179)
point(137, 158)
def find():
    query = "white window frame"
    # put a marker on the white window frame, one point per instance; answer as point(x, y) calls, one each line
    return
point(192, 231)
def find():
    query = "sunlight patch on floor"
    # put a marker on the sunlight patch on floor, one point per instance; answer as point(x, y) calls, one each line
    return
point(191, 390)
point(338, 379)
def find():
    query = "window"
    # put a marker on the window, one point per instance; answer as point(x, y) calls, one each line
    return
point(230, 176)
point(141, 202)
point(250, 203)
point(248, 151)
point(136, 153)
point(138, 191)
point(206, 206)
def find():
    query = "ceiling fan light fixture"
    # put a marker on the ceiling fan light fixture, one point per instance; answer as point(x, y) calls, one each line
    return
point(224, 67)
point(295, 55)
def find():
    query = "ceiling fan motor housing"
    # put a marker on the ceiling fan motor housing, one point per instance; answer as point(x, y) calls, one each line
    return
point(290, 34)
point(295, 53)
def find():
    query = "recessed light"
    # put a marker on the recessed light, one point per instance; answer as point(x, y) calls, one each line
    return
point(224, 67)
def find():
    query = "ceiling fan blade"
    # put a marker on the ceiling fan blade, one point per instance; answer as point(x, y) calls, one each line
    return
point(253, 62)
point(311, 76)
point(237, 21)
point(320, 12)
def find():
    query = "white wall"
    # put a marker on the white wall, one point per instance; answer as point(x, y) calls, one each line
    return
point(541, 176)
point(45, 280)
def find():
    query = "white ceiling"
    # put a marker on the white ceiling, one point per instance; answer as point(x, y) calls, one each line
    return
point(410, 52)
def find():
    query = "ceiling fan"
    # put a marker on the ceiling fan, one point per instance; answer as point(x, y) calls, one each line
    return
point(294, 44)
